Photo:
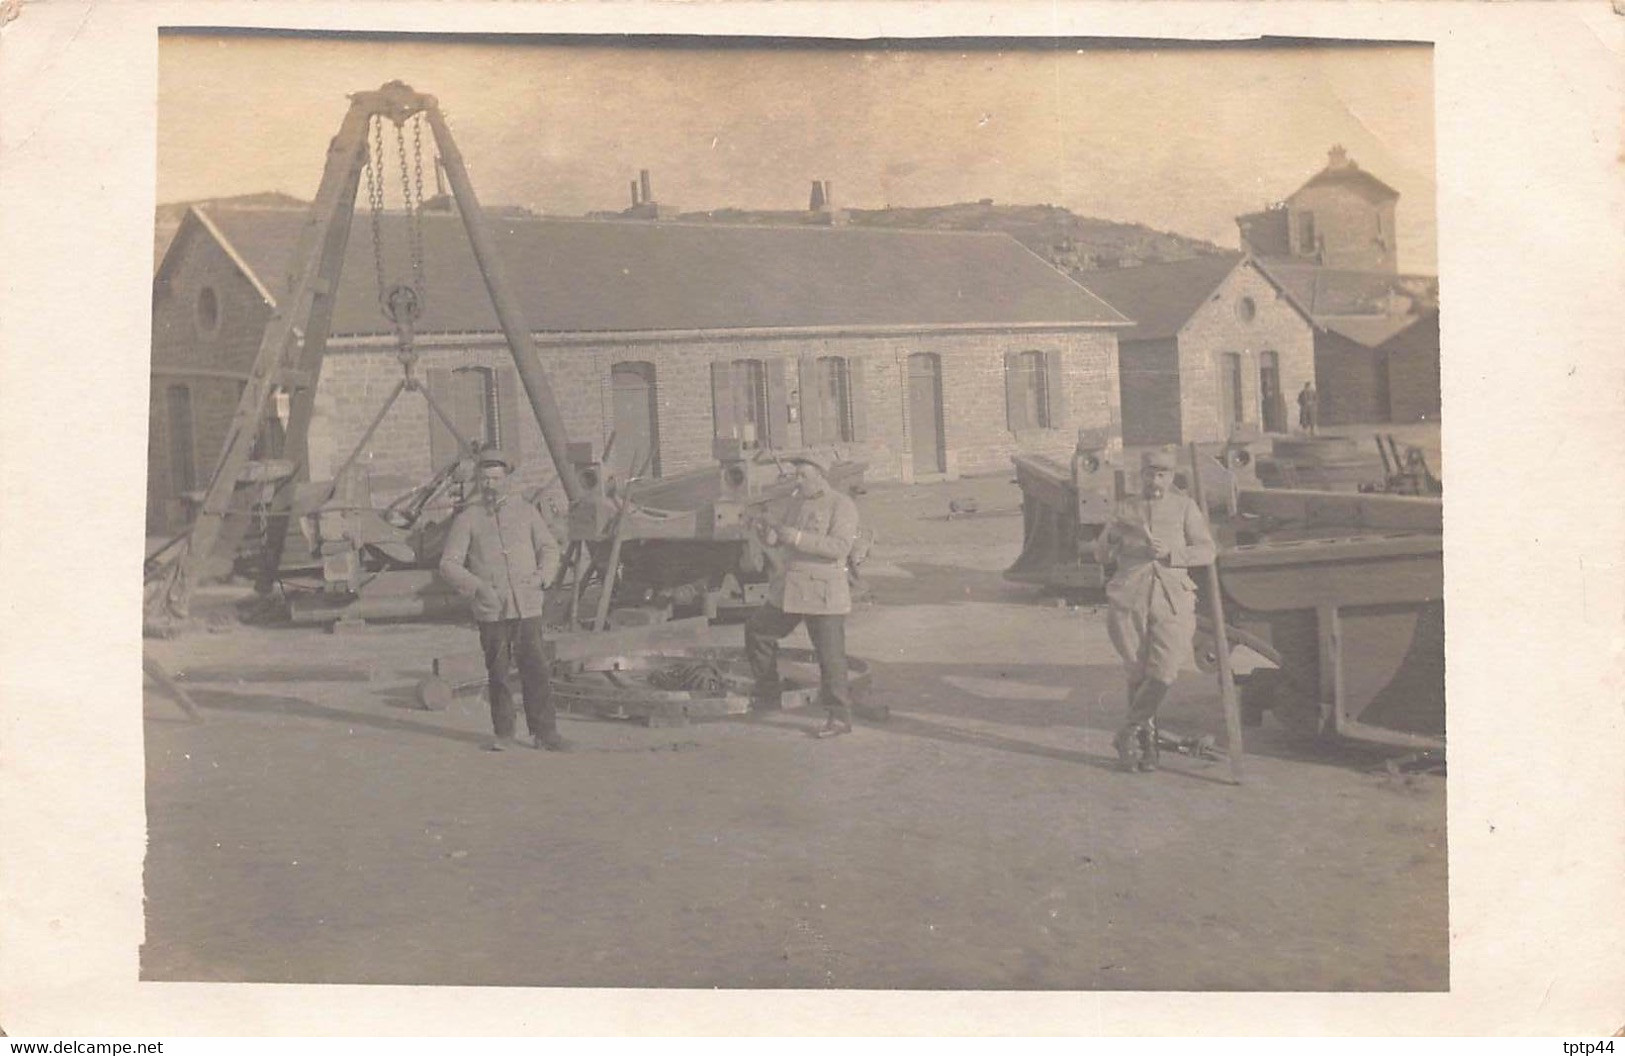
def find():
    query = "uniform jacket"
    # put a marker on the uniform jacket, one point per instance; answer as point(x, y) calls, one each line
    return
point(506, 547)
point(810, 577)
point(1177, 521)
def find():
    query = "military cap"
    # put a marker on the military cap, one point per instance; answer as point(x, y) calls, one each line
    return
point(495, 456)
point(1160, 458)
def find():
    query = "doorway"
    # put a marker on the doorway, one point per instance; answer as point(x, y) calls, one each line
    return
point(637, 424)
point(1231, 408)
point(925, 412)
point(1272, 401)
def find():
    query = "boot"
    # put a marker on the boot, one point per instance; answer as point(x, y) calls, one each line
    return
point(836, 725)
point(1127, 743)
point(1147, 736)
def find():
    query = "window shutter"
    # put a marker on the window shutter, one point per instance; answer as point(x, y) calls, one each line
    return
point(1055, 388)
point(778, 403)
point(507, 430)
point(812, 402)
point(857, 395)
point(442, 445)
point(1015, 406)
point(722, 398)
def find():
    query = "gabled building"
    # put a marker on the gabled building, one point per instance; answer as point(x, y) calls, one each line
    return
point(1376, 341)
point(1342, 217)
point(1331, 246)
point(925, 353)
point(1217, 348)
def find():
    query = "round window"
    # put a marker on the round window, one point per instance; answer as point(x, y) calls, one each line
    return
point(1246, 309)
point(208, 310)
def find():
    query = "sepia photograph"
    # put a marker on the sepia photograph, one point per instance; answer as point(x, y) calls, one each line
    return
point(783, 513)
point(862, 518)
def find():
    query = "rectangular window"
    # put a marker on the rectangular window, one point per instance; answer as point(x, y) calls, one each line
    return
point(1028, 393)
point(474, 405)
point(1306, 233)
point(739, 403)
point(834, 399)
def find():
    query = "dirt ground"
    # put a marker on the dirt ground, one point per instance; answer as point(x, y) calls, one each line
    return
point(317, 828)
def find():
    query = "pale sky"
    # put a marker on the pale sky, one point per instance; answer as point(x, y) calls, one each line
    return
point(1182, 139)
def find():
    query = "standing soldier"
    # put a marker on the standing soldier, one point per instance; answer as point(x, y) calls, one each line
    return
point(1309, 408)
point(808, 551)
point(499, 551)
point(1151, 617)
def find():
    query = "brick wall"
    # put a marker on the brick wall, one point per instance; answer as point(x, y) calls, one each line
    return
point(1218, 327)
point(1346, 223)
point(355, 382)
point(186, 351)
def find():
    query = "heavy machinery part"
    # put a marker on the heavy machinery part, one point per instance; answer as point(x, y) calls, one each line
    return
point(1341, 591)
point(514, 325)
point(649, 674)
point(635, 686)
point(1063, 508)
point(1327, 463)
point(292, 347)
point(1357, 624)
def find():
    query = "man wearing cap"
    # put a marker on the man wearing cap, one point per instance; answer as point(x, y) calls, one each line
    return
point(809, 545)
point(1151, 616)
point(1308, 408)
point(500, 553)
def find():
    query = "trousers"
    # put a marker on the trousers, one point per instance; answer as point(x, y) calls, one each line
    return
point(503, 642)
point(769, 623)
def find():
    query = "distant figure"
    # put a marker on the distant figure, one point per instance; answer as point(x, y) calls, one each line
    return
point(500, 552)
point(1151, 616)
point(809, 549)
point(1309, 408)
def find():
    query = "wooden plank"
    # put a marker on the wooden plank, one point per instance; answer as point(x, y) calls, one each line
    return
point(1227, 681)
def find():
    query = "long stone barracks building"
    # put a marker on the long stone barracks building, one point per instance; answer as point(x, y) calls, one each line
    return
point(926, 353)
point(1217, 347)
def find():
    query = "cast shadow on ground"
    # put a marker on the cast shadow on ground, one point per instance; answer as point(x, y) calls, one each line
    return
point(268, 704)
point(1192, 710)
point(911, 726)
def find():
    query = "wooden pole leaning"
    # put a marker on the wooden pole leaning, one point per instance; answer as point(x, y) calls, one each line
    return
point(1221, 641)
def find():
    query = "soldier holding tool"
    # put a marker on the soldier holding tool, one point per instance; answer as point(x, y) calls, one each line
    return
point(807, 548)
point(1153, 537)
point(500, 552)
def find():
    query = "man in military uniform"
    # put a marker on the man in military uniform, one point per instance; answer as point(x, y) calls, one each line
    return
point(500, 552)
point(807, 549)
point(1309, 408)
point(1153, 537)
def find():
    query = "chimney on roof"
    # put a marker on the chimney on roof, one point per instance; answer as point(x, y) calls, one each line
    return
point(644, 207)
point(822, 204)
point(1338, 158)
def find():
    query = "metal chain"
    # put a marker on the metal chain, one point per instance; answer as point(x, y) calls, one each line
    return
point(417, 219)
point(375, 201)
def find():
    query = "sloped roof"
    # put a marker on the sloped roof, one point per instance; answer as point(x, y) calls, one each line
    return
point(1373, 331)
point(1353, 177)
point(1161, 297)
point(583, 276)
point(1321, 292)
